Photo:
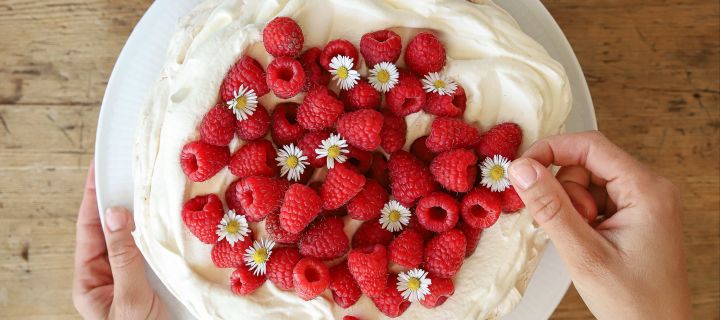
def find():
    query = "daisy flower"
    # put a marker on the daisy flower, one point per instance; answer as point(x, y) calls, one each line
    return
point(233, 227)
point(257, 256)
point(341, 67)
point(394, 216)
point(438, 83)
point(414, 285)
point(244, 103)
point(292, 162)
point(333, 149)
point(384, 76)
point(494, 173)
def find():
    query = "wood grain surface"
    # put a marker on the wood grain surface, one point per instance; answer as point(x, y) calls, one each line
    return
point(653, 67)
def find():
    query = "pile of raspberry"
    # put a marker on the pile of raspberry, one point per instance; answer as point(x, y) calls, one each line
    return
point(423, 209)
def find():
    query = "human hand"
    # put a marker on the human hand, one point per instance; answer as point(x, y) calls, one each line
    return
point(109, 281)
point(630, 264)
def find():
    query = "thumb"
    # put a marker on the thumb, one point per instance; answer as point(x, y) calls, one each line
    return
point(126, 262)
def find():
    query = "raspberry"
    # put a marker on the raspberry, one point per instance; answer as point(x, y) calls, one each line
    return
point(277, 233)
point(455, 170)
point(437, 212)
point(360, 159)
point(503, 139)
point(341, 184)
point(260, 196)
point(324, 239)
point(280, 267)
point(379, 46)
point(451, 133)
point(361, 96)
point(409, 178)
point(311, 141)
point(446, 105)
point(339, 47)
point(390, 302)
point(231, 199)
point(378, 170)
point(310, 277)
point(511, 201)
point(472, 236)
point(406, 97)
point(216, 127)
point(425, 54)
point(201, 161)
point(419, 149)
point(202, 215)
point(315, 74)
point(283, 37)
point(417, 227)
point(284, 127)
point(319, 110)
point(480, 208)
point(225, 255)
point(361, 128)
point(247, 72)
point(368, 265)
point(256, 126)
point(255, 158)
point(243, 281)
point(306, 175)
point(393, 132)
point(440, 290)
point(300, 206)
point(345, 290)
point(371, 233)
point(444, 253)
point(407, 249)
point(285, 77)
point(368, 203)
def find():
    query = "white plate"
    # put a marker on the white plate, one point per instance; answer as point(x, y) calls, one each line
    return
point(139, 64)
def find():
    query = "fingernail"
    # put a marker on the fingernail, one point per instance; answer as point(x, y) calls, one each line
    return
point(116, 219)
point(522, 174)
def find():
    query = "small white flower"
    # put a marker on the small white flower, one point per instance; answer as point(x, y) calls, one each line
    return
point(394, 216)
point(244, 103)
point(257, 256)
point(435, 82)
point(233, 227)
point(494, 173)
point(292, 162)
point(341, 67)
point(414, 285)
point(384, 76)
point(333, 149)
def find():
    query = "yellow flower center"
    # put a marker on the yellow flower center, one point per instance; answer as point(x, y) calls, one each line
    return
point(497, 173)
point(292, 161)
point(413, 284)
point(232, 227)
point(333, 151)
point(394, 216)
point(439, 84)
point(260, 256)
point(342, 72)
point(383, 76)
point(241, 103)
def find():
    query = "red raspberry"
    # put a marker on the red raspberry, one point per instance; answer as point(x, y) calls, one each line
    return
point(277, 233)
point(201, 161)
point(440, 290)
point(216, 127)
point(511, 201)
point(319, 110)
point(446, 105)
point(341, 184)
point(311, 141)
point(324, 239)
point(425, 53)
point(345, 291)
point(390, 302)
point(255, 158)
point(361, 128)
point(315, 74)
point(360, 159)
point(503, 139)
point(480, 208)
point(455, 170)
point(419, 149)
point(368, 203)
point(283, 37)
point(339, 47)
point(310, 277)
point(406, 97)
point(285, 77)
point(225, 255)
point(380, 46)
point(409, 178)
point(472, 236)
point(284, 127)
point(361, 96)
point(437, 212)
point(280, 267)
point(407, 249)
point(378, 170)
point(368, 265)
point(417, 227)
point(451, 133)
point(243, 281)
point(300, 206)
point(256, 126)
point(371, 233)
point(247, 72)
point(306, 175)
point(260, 196)
point(393, 132)
point(202, 215)
point(444, 253)
point(231, 199)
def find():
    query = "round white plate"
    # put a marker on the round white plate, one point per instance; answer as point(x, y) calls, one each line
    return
point(138, 67)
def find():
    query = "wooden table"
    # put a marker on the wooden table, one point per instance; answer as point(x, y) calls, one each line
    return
point(652, 66)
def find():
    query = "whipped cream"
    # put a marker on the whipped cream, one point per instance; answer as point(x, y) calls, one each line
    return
point(507, 76)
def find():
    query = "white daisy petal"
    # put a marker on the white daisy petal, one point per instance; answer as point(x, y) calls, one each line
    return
point(333, 149)
point(439, 83)
point(414, 285)
point(494, 172)
point(384, 76)
point(341, 67)
point(233, 227)
point(258, 254)
point(244, 103)
point(291, 161)
point(394, 216)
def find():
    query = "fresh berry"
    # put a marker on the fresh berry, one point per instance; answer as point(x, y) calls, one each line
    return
point(306, 175)
point(407, 249)
point(256, 126)
point(380, 46)
point(284, 127)
point(446, 105)
point(437, 212)
point(280, 267)
point(480, 208)
point(310, 277)
point(361, 96)
point(417, 227)
point(472, 236)
point(225, 255)
point(390, 302)
point(345, 291)
point(455, 170)
point(311, 141)
point(511, 201)
point(231, 199)
point(361, 128)
point(216, 127)
point(339, 47)
point(201, 161)
point(202, 215)
point(444, 253)
point(406, 97)
point(361, 160)
point(260, 196)
point(440, 290)
point(300, 206)
point(255, 158)
point(341, 184)
point(368, 265)
point(409, 178)
point(247, 72)
point(283, 37)
point(277, 233)
point(324, 239)
point(285, 77)
point(371, 233)
point(451, 133)
point(315, 74)
point(243, 281)
point(319, 110)
point(419, 149)
point(368, 203)
point(503, 139)
point(378, 170)
point(425, 54)
point(393, 132)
